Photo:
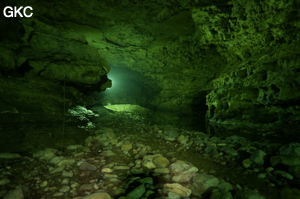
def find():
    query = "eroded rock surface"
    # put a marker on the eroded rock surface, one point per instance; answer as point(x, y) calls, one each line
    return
point(176, 50)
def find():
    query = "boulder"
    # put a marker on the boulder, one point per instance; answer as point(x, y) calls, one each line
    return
point(179, 166)
point(203, 182)
point(178, 189)
point(148, 161)
point(185, 176)
point(161, 162)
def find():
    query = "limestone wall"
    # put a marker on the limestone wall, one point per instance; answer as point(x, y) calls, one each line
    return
point(180, 47)
point(267, 91)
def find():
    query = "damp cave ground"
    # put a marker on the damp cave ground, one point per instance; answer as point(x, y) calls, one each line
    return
point(137, 129)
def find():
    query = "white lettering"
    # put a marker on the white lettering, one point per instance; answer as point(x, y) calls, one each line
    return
point(24, 12)
point(17, 11)
point(10, 11)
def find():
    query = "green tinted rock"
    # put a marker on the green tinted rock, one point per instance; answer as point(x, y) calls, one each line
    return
point(137, 192)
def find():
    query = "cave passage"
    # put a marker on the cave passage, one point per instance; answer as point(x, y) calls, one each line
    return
point(132, 99)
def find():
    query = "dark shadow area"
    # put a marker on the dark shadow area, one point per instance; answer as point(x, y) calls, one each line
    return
point(276, 133)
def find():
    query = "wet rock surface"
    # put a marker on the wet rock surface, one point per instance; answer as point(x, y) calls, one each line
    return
point(243, 54)
point(146, 165)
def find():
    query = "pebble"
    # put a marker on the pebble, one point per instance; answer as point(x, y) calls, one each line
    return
point(161, 162)
point(271, 185)
point(256, 170)
point(86, 187)
point(44, 183)
point(111, 165)
point(223, 163)
point(56, 160)
point(161, 170)
point(106, 170)
point(66, 162)
point(178, 189)
point(136, 171)
point(74, 147)
point(147, 161)
point(258, 157)
point(110, 175)
point(179, 166)
point(65, 189)
point(121, 168)
point(45, 154)
point(87, 166)
point(262, 175)
point(269, 169)
point(58, 194)
point(126, 147)
point(108, 153)
point(137, 192)
point(96, 186)
point(182, 139)
point(114, 180)
point(231, 151)
point(65, 181)
point(56, 169)
point(74, 184)
point(78, 154)
point(68, 174)
point(284, 174)
point(239, 187)
point(120, 191)
point(169, 138)
point(4, 181)
point(247, 163)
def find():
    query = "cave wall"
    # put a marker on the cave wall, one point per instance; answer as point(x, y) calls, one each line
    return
point(45, 68)
point(182, 48)
point(264, 92)
point(263, 86)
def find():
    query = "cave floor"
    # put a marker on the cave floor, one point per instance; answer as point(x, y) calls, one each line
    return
point(130, 129)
